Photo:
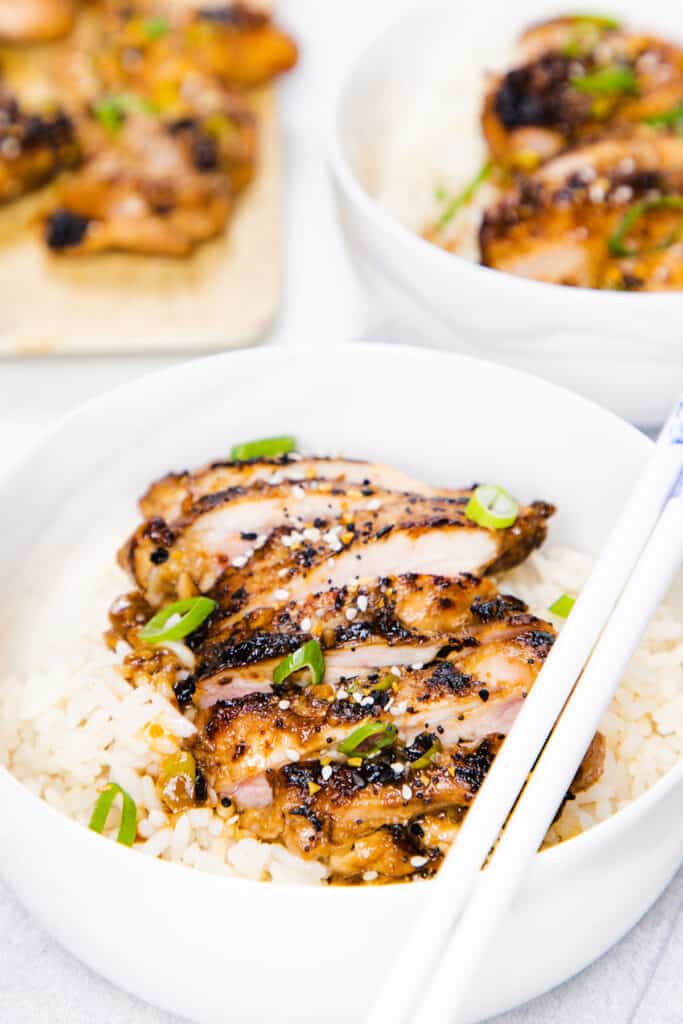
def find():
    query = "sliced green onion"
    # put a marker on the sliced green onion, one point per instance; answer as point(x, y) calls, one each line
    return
point(562, 606)
point(384, 734)
point(587, 30)
point(599, 20)
point(111, 111)
point(672, 118)
point(177, 780)
point(428, 756)
point(465, 197)
point(266, 448)
point(129, 814)
point(385, 683)
point(309, 656)
point(192, 612)
point(616, 243)
point(155, 28)
point(612, 80)
point(491, 506)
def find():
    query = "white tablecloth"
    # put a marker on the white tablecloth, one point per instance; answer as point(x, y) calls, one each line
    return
point(639, 982)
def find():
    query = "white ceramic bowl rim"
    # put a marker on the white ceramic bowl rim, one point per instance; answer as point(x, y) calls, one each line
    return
point(348, 181)
point(551, 860)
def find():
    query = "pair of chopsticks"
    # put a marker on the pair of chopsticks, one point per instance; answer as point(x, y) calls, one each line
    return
point(430, 978)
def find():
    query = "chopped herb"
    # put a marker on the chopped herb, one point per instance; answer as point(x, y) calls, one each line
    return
point(310, 656)
point(616, 243)
point(672, 118)
point(266, 448)
point(111, 111)
point(189, 614)
point(562, 606)
point(382, 733)
point(611, 80)
point(155, 28)
point(129, 814)
point(464, 198)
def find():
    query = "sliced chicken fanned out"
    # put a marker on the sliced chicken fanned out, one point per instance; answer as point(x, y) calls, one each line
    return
point(34, 21)
point(458, 702)
point(397, 852)
point(34, 148)
point(168, 497)
point(583, 77)
point(316, 813)
point(228, 527)
point(608, 215)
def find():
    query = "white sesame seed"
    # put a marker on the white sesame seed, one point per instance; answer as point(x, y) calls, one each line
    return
point(406, 792)
point(276, 478)
point(326, 773)
point(215, 826)
point(397, 768)
point(311, 533)
point(283, 705)
point(623, 194)
point(417, 665)
point(292, 755)
point(306, 624)
point(330, 563)
point(597, 192)
point(362, 603)
point(260, 541)
point(342, 694)
point(351, 613)
point(240, 561)
point(374, 505)
point(358, 698)
point(233, 821)
point(298, 491)
point(367, 701)
point(370, 876)
point(418, 862)
point(288, 540)
point(281, 595)
point(627, 165)
point(395, 670)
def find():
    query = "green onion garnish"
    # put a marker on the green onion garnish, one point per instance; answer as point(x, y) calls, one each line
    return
point(266, 448)
point(384, 734)
point(428, 756)
point(616, 243)
point(465, 197)
point(612, 80)
point(155, 28)
point(672, 118)
point(587, 30)
point(599, 20)
point(385, 683)
point(491, 506)
point(111, 111)
point(562, 606)
point(191, 613)
point(129, 814)
point(309, 656)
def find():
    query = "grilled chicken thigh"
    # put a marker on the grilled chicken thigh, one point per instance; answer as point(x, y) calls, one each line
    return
point(34, 148)
point(370, 765)
point(608, 215)
point(583, 77)
point(31, 21)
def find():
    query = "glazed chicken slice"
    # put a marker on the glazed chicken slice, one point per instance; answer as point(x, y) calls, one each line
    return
point(582, 77)
point(140, 190)
point(385, 623)
point(174, 493)
point(458, 701)
point(424, 539)
point(226, 528)
point(34, 148)
point(32, 21)
point(316, 812)
point(608, 215)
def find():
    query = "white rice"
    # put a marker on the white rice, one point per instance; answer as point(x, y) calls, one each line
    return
point(69, 723)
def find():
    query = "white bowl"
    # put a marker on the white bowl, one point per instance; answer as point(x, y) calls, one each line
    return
point(624, 350)
point(213, 948)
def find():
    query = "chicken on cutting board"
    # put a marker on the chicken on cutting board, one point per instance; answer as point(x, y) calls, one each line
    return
point(353, 673)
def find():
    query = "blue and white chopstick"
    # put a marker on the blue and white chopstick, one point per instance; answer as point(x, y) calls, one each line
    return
point(656, 492)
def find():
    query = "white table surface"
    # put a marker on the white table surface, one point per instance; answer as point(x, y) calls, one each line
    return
point(641, 980)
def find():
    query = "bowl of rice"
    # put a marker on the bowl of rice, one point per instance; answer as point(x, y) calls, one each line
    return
point(407, 133)
point(195, 917)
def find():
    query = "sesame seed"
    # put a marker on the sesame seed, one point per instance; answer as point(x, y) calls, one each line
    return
point(281, 595)
point(351, 613)
point(374, 505)
point(283, 572)
point(330, 563)
point(417, 665)
point(240, 561)
point(342, 694)
point(397, 768)
point(260, 541)
point(233, 820)
point(395, 670)
point(326, 773)
point(288, 541)
point(298, 491)
point(306, 624)
point(292, 755)
point(362, 603)
point(370, 876)
point(276, 478)
point(283, 705)
point(418, 862)
point(406, 792)
point(311, 533)
point(367, 701)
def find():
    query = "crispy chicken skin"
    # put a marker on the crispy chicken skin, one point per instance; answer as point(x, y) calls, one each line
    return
point(431, 663)
point(32, 21)
point(558, 224)
point(33, 148)
point(554, 101)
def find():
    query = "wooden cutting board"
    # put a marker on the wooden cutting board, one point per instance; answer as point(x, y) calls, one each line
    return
point(225, 295)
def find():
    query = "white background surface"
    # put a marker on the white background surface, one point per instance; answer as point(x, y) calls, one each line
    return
point(639, 982)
